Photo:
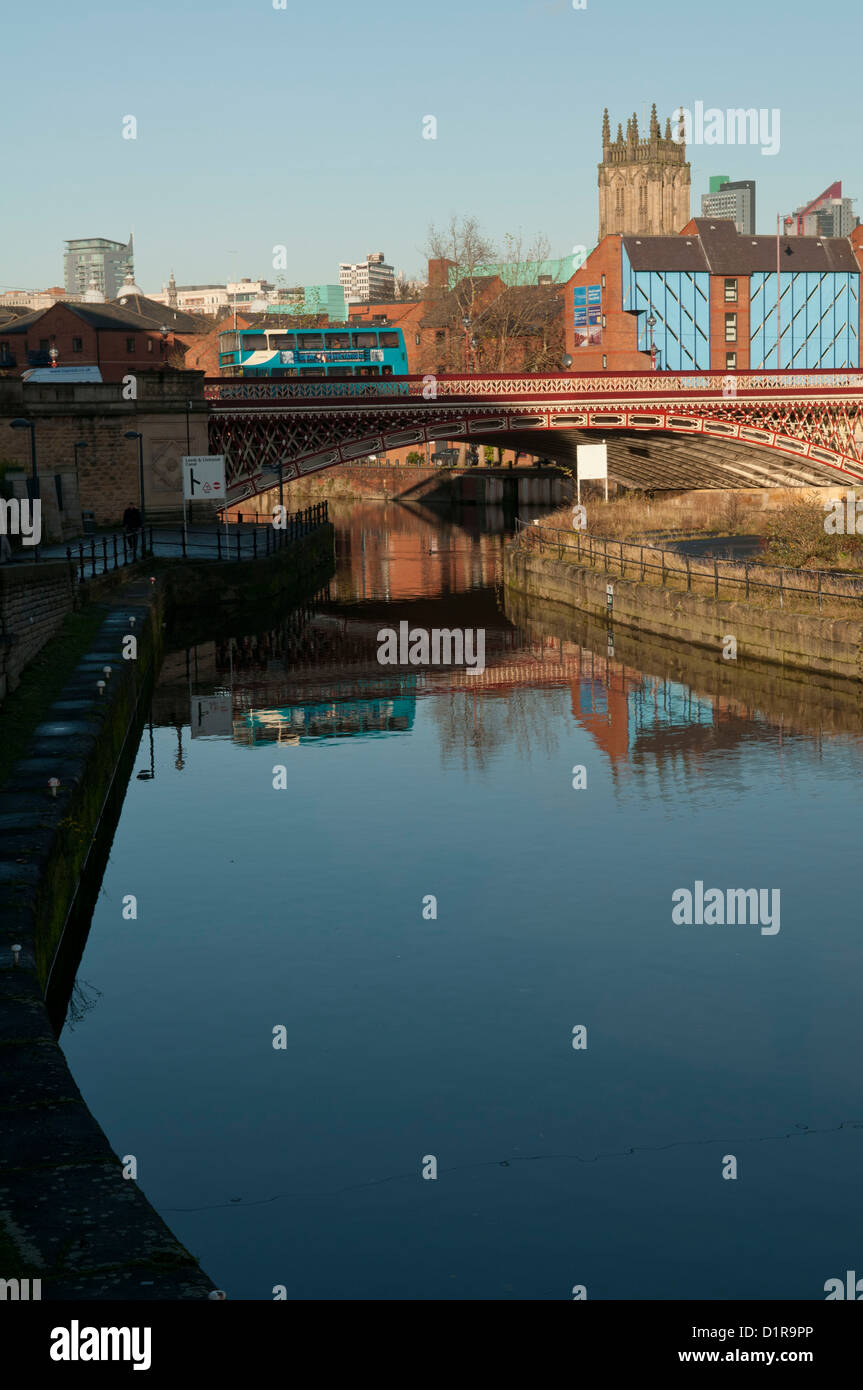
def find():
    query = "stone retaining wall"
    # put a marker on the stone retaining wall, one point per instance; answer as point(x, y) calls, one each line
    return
point(34, 600)
point(809, 642)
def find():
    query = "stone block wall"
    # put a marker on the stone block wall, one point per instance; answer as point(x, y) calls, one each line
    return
point(34, 600)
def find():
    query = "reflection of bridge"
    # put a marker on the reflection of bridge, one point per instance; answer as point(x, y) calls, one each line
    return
point(692, 429)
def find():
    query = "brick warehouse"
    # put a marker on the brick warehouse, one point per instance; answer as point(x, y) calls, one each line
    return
point(115, 339)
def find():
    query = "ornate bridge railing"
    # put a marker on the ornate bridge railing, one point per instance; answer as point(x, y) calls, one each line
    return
point(434, 388)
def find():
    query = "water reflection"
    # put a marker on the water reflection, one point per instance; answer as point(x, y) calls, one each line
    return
point(302, 908)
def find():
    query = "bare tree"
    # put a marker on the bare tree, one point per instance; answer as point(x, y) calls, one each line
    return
point(513, 309)
point(406, 289)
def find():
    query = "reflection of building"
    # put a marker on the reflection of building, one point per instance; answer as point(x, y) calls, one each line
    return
point(336, 720)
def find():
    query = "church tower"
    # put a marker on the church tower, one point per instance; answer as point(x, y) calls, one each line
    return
point(643, 183)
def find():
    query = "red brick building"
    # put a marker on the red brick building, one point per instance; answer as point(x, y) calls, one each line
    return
point(116, 340)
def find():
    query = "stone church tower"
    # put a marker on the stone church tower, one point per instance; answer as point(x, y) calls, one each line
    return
point(643, 183)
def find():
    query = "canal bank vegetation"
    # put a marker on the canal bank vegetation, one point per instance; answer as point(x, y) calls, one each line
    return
point(649, 564)
point(633, 514)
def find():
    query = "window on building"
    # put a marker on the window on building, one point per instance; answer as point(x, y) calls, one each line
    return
point(731, 328)
point(43, 344)
point(603, 282)
point(77, 345)
point(130, 344)
point(417, 339)
point(440, 335)
point(730, 291)
point(731, 361)
point(604, 360)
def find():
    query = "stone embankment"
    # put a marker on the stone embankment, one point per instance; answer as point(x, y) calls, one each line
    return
point(829, 646)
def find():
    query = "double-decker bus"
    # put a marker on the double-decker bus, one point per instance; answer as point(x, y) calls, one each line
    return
point(349, 351)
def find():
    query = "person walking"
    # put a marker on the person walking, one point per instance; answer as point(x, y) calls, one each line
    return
point(132, 524)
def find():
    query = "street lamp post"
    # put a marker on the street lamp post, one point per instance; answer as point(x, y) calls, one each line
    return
point(136, 434)
point(54, 355)
point(466, 325)
point(81, 444)
point(651, 323)
point(33, 486)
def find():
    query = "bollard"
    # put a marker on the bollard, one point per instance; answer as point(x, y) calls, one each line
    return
point(53, 783)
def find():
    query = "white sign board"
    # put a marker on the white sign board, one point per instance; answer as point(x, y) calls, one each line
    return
point(204, 477)
point(211, 715)
point(592, 461)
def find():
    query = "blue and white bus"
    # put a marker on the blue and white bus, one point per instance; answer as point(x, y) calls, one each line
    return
point(349, 351)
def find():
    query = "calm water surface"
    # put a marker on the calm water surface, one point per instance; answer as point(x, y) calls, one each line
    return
point(452, 1038)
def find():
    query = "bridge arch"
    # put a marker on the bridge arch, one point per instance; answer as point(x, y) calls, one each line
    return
point(662, 430)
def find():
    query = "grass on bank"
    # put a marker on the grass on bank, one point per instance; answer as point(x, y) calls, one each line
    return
point(795, 540)
point(42, 682)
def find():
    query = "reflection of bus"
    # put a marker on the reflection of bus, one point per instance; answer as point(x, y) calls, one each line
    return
point(313, 352)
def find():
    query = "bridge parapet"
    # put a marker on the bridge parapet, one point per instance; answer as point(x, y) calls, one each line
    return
point(431, 388)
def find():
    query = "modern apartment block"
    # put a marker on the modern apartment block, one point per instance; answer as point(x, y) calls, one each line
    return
point(708, 300)
point(734, 200)
point(94, 259)
point(371, 280)
point(827, 215)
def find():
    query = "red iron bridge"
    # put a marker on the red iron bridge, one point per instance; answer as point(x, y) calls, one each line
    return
point(662, 429)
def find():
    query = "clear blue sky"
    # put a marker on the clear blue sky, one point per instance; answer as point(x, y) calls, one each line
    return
point(302, 126)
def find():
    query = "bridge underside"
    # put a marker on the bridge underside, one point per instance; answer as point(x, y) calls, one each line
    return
point(740, 444)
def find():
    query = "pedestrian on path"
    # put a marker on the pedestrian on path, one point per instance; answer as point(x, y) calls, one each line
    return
point(132, 524)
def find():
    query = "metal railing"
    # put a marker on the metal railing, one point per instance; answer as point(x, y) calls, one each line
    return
point(251, 538)
point(729, 579)
point(544, 384)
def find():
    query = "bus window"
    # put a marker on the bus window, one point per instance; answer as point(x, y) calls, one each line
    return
point(368, 371)
point(252, 342)
point(338, 340)
point(387, 371)
point(365, 340)
point(339, 371)
point(282, 340)
point(390, 340)
point(229, 342)
point(307, 341)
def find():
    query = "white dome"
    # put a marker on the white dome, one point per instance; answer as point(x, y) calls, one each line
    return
point(93, 294)
point(129, 287)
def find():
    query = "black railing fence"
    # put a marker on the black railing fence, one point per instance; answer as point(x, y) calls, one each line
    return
point(248, 537)
point(729, 579)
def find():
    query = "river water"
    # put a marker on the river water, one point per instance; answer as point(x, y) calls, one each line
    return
point(584, 1073)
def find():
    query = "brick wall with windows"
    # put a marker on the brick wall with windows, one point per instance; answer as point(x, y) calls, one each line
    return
point(729, 302)
point(115, 350)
